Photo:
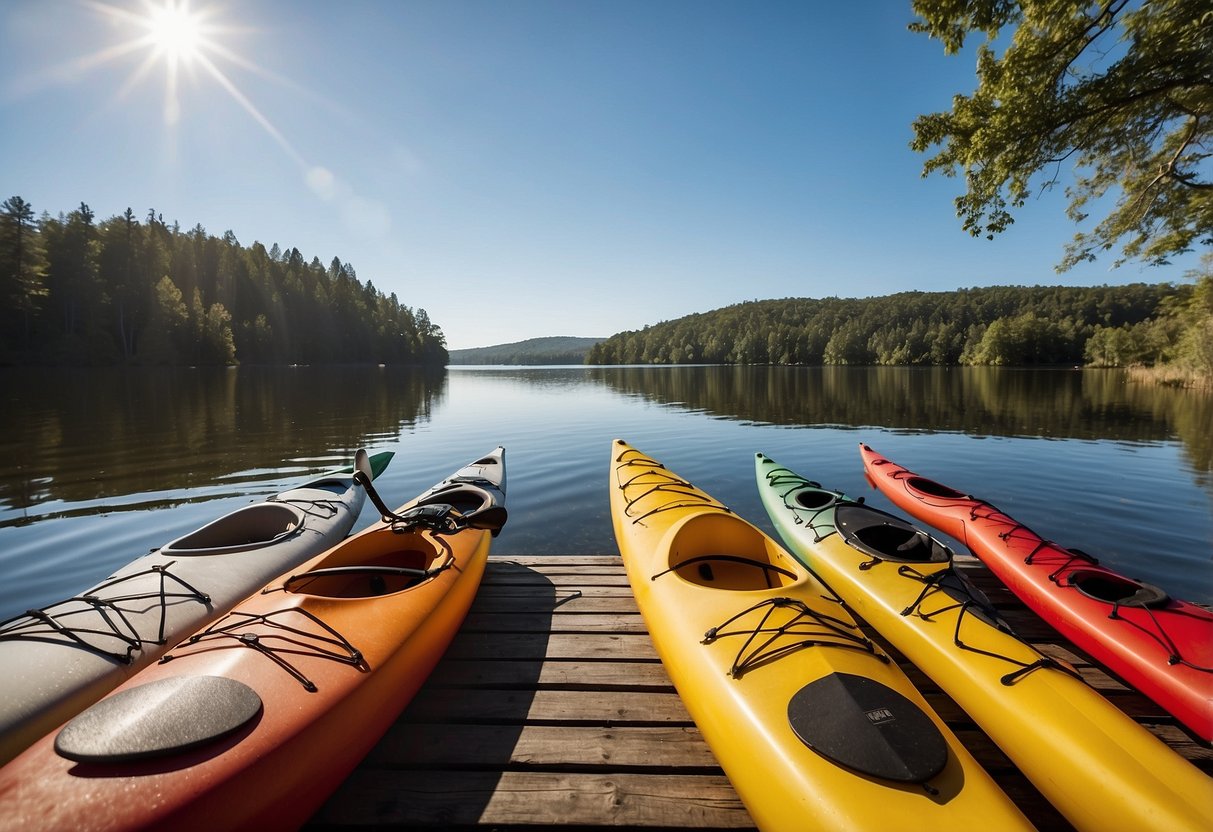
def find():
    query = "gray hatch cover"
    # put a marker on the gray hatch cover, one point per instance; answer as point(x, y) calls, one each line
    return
point(160, 718)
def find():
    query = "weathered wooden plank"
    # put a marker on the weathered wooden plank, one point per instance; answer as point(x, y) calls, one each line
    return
point(551, 594)
point(615, 707)
point(567, 601)
point(564, 747)
point(650, 675)
point(557, 561)
point(558, 567)
point(468, 799)
point(374, 797)
point(578, 704)
point(624, 647)
point(557, 622)
point(552, 709)
point(567, 578)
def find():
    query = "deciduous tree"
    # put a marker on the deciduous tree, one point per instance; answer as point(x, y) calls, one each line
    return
point(1121, 91)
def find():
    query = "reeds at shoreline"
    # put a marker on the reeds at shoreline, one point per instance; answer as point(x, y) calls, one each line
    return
point(1170, 375)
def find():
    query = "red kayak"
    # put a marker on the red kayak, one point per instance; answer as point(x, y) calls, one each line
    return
point(1158, 645)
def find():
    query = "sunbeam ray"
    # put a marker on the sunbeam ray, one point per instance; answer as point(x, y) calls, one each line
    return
point(183, 39)
point(252, 110)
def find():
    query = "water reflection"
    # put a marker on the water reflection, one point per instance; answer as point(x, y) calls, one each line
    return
point(75, 436)
point(86, 455)
point(1061, 404)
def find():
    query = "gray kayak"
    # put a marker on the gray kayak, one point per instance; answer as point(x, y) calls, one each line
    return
point(58, 660)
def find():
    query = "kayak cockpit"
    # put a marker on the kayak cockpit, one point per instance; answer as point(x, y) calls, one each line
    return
point(358, 572)
point(885, 537)
point(814, 499)
point(935, 489)
point(721, 551)
point(251, 527)
point(1116, 590)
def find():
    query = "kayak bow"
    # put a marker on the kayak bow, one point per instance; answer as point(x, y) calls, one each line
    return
point(815, 727)
point(253, 721)
point(1097, 766)
point(63, 657)
point(1159, 645)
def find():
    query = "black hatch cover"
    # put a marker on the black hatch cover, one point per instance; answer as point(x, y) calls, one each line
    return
point(159, 718)
point(868, 727)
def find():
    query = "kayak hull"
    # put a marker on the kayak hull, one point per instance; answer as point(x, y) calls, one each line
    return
point(1098, 767)
point(333, 650)
point(67, 655)
point(747, 636)
point(1160, 646)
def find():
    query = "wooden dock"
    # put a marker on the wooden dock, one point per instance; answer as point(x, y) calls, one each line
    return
point(551, 709)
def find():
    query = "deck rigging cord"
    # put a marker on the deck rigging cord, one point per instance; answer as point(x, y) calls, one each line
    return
point(666, 481)
point(969, 604)
point(1071, 559)
point(766, 641)
point(107, 620)
point(331, 507)
point(274, 639)
point(947, 580)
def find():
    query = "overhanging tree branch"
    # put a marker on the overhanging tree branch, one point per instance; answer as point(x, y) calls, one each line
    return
point(1139, 126)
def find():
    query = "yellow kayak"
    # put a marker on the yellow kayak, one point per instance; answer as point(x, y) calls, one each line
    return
point(815, 727)
point(1097, 766)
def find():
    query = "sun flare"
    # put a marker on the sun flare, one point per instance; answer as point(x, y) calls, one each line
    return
point(182, 39)
point(176, 36)
point(175, 32)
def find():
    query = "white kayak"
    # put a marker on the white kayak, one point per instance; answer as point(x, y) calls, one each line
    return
point(58, 660)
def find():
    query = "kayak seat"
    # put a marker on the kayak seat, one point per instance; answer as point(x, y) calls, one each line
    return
point(1116, 590)
point(736, 555)
point(885, 537)
point(367, 573)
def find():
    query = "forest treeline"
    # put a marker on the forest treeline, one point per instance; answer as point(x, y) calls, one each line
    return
point(1108, 326)
point(76, 291)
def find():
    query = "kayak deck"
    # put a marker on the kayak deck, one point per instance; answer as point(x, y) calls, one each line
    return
point(551, 708)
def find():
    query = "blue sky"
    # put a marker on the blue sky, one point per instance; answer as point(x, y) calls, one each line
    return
point(522, 169)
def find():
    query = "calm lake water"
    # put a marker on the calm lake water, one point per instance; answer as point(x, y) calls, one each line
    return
point(99, 466)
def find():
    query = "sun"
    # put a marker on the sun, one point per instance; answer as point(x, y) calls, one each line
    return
point(178, 38)
point(174, 32)
point(169, 34)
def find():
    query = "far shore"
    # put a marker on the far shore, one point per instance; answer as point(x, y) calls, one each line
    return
point(1170, 377)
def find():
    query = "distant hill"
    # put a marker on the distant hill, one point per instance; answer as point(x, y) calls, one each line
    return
point(554, 350)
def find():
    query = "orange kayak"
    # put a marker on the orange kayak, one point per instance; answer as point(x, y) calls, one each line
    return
point(253, 721)
point(74, 651)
